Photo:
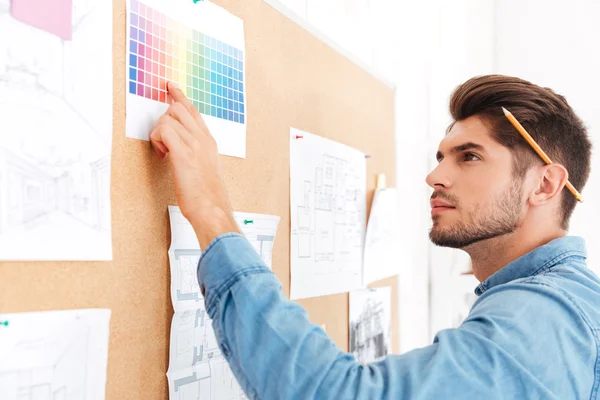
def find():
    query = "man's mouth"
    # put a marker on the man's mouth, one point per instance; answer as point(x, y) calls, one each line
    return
point(440, 206)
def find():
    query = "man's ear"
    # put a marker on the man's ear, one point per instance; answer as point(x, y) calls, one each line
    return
point(551, 180)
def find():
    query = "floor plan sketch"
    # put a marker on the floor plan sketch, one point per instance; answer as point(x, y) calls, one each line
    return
point(197, 367)
point(59, 355)
point(56, 108)
point(370, 324)
point(328, 208)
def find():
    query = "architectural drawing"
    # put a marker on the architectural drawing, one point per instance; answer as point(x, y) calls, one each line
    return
point(370, 324)
point(212, 380)
point(59, 355)
point(328, 208)
point(260, 230)
point(194, 338)
point(185, 276)
point(197, 366)
point(56, 109)
point(338, 206)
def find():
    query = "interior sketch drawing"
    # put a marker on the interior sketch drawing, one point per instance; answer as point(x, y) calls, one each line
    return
point(370, 324)
point(58, 358)
point(56, 107)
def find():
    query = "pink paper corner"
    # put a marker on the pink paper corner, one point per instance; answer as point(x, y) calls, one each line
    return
point(53, 16)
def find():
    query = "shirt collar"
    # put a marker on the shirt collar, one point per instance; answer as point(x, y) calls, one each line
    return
point(535, 261)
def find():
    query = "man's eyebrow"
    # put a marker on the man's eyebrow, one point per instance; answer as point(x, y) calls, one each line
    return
point(460, 148)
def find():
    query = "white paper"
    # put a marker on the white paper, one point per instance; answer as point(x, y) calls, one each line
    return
point(327, 200)
point(382, 239)
point(55, 142)
point(260, 230)
point(197, 368)
point(54, 355)
point(370, 323)
point(175, 23)
point(462, 298)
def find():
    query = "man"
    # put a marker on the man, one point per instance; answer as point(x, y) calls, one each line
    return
point(533, 333)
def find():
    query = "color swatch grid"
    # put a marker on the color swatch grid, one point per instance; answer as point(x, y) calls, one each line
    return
point(210, 72)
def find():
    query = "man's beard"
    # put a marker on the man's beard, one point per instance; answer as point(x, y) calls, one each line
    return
point(483, 223)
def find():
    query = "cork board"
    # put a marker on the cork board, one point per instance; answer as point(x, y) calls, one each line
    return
point(293, 80)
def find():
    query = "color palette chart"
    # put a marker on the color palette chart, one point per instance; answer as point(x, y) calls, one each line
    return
point(208, 70)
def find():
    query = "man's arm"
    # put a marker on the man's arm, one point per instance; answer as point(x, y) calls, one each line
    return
point(199, 188)
point(276, 353)
point(510, 346)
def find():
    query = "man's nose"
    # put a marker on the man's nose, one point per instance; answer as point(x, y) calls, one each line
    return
point(439, 178)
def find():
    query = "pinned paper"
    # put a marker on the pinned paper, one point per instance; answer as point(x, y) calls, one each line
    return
point(52, 16)
point(381, 257)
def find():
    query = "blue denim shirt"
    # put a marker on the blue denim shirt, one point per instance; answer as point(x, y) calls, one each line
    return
point(533, 333)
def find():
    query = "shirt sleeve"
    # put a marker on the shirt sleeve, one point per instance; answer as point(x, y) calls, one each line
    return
point(276, 353)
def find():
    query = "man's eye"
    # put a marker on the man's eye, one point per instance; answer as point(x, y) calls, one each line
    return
point(471, 157)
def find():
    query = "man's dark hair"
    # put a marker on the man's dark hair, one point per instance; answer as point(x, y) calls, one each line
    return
point(545, 114)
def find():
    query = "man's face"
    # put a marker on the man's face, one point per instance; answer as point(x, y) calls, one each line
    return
point(476, 196)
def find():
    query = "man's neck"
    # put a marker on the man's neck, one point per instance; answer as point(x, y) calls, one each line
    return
point(489, 256)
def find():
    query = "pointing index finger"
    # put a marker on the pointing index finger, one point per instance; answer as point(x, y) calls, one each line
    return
point(178, 96)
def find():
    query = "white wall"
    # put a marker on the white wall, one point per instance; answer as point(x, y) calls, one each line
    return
point(557, 44)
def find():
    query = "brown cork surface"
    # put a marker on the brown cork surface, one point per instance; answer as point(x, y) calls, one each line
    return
point(293, 80)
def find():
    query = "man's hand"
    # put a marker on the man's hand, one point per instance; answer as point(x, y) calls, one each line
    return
point(194, 158)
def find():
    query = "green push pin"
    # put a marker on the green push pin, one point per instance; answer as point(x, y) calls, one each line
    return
point(248, 221)
point(5, 323)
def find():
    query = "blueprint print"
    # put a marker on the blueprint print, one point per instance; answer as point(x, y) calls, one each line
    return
point(197, 367)
point(58, 355)
point(55, 145)
point(370, 323)
point(328, 208)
